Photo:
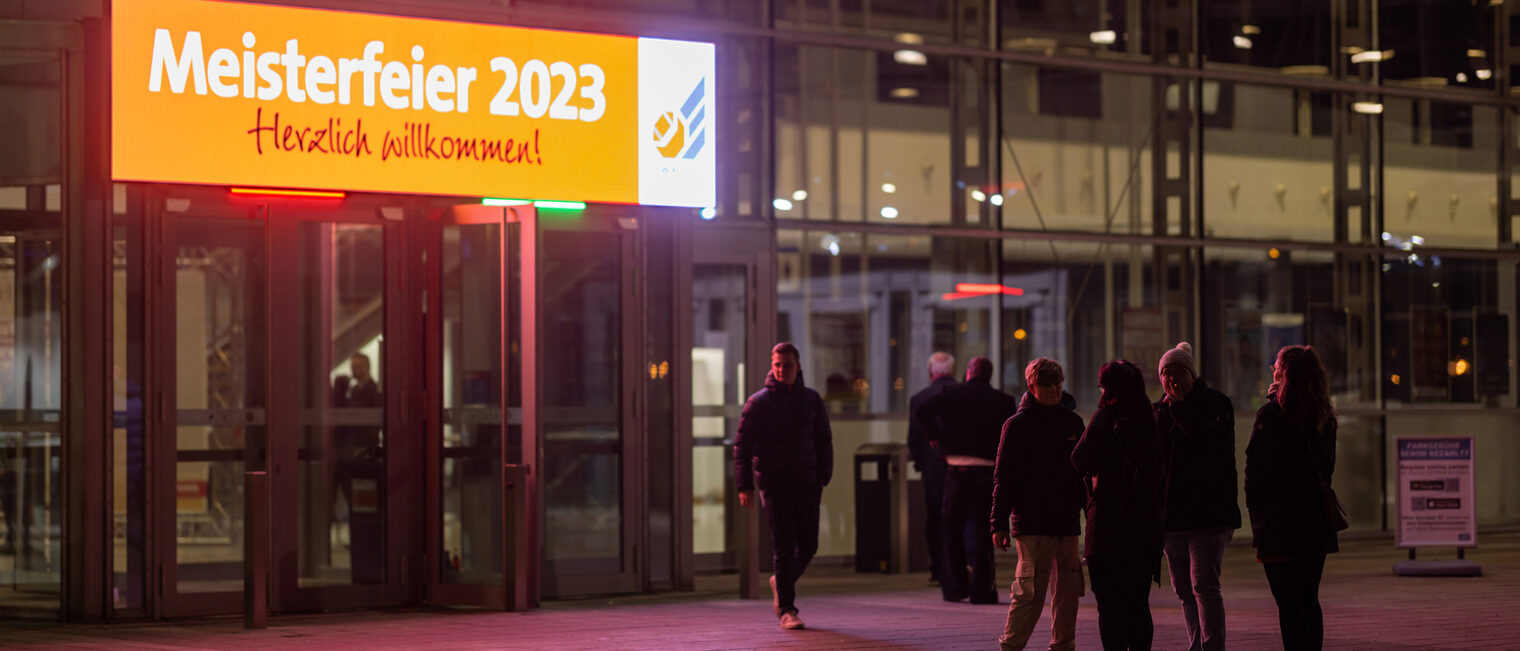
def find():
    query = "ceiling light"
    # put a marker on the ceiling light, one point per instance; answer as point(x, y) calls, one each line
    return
point(888, 188)
point(1483, 74)
point(904, 93)
point(1461, 77)
point(1242, 42)
point(1250, 29)
point(800, 195)
point(781, 204)
point(1104, 37)
point(978, 195)
point(1368, 108)
point(910, 58)
point(1419, 241)
point(909, 38)
point(1476, 54)
point(709, 213)
point(997, 199)
point(888, 212)
point(1372, 57)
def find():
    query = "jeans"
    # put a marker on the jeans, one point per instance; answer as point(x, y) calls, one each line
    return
point(1124, 608)
point(1194, 558)
point(1295, 587)
point(934, 491)
point(968, 497)
point(792, 513)
point(1039, 558)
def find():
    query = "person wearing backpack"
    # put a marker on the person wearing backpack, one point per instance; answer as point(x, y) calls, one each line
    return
point(1289, 464)
point(1120, 458)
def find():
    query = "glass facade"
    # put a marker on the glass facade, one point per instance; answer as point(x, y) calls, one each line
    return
point(1081, 180)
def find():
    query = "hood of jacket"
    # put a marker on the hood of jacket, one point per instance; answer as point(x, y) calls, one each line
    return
point(1029, 403)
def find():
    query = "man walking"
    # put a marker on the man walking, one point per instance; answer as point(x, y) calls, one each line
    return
point(784, 447)
point(927, 458)
point(1197, 427)
point(1035, 485)
point(966, 420)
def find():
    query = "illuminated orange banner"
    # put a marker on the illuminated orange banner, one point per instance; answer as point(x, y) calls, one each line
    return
point(241, 94)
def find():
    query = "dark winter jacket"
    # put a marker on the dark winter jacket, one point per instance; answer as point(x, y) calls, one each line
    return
point(967, 419)
point(784, 438)
point(1034, 481)
point(1283, 492)
point(923, 454)
point(1120, 457)
point(1198, 437)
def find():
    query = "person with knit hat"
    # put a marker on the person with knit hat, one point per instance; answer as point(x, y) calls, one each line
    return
point(1197, 427)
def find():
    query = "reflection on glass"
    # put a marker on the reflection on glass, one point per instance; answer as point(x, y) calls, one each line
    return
point(341, 312)
point(1440, 164)
point(719, 296)
point(219, 392)
point(472, 410)
point(129, 522)
point(581, 302)
point(1448, 330)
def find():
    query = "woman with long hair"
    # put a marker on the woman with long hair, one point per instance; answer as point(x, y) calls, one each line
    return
point(1289, 463)
point(1120, 458)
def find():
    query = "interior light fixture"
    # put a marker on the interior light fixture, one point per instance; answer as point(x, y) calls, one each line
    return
point(997, 199)
point(910, 58)
point(978, 195)
point(888, 212)
point(1242, 42)
point(1368, 108)
point(709, 213)
point(1483, 74)
point(280, 192)
point(1476, 54)
point(799, 195)
point(1461, 77)
point(908, 38)
point(1372, 56)
point(491, 201)
point(888, 188)
point(904, 93)
point(1103, 37)
point(1250, 29)
point(781, 204)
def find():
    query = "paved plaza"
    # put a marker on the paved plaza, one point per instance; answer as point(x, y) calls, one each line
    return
point(1366, 607)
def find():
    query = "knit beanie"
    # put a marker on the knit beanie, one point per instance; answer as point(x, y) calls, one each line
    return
point(1182, 356)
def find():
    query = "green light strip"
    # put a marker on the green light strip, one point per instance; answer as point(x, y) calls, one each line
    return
point(560, 205)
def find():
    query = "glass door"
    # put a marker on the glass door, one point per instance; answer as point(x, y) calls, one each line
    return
point(339, 452)
point(588, 315)
point(478, 486)
point(214, 375)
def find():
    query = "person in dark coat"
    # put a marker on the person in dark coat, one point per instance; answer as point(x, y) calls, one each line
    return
point(1120, 455)
point(966, 420)
point(927, 458)
point(1037, 499)
point(785, 448)
point(1197, 427)
point(1289, 462)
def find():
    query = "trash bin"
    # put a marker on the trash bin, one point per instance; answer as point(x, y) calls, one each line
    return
point(881, 508)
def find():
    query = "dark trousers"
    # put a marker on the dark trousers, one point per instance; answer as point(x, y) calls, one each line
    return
point(968, 499)
point(1124, 608)
point(792, 512)
point(1295, 586)
point(934, 501)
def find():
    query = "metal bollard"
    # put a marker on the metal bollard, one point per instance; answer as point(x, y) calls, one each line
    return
point(255, 549)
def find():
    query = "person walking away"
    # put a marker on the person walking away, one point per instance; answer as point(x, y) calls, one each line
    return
point(1197, 428)
point(927, 458)
point(1037, 499)
point(967, 420)
point(1289, 464)
point(785, 449)
point(1120, 456)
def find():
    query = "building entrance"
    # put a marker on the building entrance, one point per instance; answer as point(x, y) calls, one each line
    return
point(276, 357)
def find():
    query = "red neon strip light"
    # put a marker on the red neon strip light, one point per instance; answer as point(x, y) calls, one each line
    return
point(982, 288)
point(309, 194)
point(955, 296)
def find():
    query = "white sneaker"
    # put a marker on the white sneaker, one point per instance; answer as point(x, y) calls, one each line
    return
point(775, 597)
point(791, 622)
